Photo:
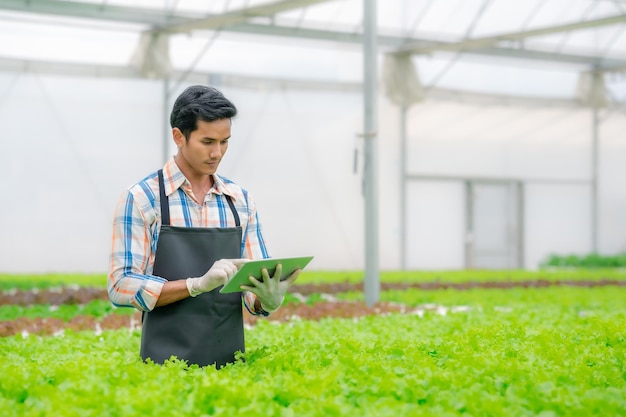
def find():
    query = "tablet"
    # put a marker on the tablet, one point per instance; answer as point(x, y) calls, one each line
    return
point(253, 268)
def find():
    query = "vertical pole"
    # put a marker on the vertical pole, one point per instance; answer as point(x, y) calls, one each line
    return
point(370, 66)
point(166, 102)
point(166, 121)
point(521, 227)
point(469, 224)
point(403, 184)
point(594, 179)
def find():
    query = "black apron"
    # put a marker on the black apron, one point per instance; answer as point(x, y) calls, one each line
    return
point(203, 330)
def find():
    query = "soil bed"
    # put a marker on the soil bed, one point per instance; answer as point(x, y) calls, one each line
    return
point(288, 312)
point(83, 295)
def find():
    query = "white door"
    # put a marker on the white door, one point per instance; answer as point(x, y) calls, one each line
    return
point(494, 225)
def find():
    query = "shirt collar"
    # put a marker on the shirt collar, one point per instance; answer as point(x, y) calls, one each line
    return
point(173, 179)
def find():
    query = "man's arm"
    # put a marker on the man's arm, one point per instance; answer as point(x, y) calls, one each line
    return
point(128, 285)
point(219, 274)
point(171, 292)
point(131, 254)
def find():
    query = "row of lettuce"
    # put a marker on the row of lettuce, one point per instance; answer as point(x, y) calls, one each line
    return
point(539, 351)
point(10, 282)
point(588, 261)
point(576, 298)
point(522, 352)
point(411, 297)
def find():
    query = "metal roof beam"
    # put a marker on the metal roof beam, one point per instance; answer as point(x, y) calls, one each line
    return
point(159, 18)
point(67, 69)
point(474, 43)
point(112, 13)
point(237, 16)
point(394, 43)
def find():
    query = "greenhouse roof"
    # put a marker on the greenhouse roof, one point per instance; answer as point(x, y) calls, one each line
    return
point(536, 48)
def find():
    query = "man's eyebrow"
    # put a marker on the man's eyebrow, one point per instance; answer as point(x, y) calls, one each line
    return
point(217, 140)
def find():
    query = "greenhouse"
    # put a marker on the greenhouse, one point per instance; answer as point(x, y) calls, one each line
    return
point(432, 156)
point(497, 132)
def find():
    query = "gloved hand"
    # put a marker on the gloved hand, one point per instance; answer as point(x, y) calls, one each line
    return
point(219, 274)
point(271, 291)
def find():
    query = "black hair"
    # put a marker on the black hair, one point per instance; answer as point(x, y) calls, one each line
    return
point(200, 102)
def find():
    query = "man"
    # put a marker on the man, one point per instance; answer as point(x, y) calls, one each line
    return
point(181, 233)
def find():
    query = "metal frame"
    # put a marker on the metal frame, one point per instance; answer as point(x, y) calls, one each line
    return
point(370, 134)
point(238, 21)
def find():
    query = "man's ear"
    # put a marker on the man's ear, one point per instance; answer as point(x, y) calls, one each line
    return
point(179, 138)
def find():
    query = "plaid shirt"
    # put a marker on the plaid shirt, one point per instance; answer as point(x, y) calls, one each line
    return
point(137, 223)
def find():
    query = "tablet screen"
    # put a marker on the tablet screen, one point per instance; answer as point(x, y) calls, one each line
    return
point(253, 268)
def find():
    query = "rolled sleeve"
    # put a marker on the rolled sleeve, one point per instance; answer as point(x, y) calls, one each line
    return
point(129, 283)
point(249, 300)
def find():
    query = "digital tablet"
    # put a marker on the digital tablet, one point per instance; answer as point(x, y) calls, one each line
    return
point(253, 268)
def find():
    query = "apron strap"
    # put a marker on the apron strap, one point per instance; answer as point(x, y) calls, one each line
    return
point(165, 202)
point(232, 208)
point(165, 206)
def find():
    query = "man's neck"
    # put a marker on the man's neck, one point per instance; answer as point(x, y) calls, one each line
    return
point(200, 183)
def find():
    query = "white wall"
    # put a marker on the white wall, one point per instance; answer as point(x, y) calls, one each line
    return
point(612, 187)
point(69, 147)
point(546, 147)
point(558, 220)
point(435, 225)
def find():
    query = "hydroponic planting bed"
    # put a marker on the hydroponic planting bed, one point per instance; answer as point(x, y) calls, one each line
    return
point(47, 324)
point(525, 348)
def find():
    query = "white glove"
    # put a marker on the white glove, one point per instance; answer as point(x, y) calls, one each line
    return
point(271, 291)
point(219, 274)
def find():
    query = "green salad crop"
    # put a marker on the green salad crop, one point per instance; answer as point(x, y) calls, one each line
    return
point(606, 298)
point(546, 351)
point(29, 281)
point(532, 360)
point(463, 276)
point(96, 308)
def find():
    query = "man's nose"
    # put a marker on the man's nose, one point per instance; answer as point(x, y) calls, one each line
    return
point(216, 152)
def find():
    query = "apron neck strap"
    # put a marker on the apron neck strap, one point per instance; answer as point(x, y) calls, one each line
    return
point(165, 204)
point(232, 208)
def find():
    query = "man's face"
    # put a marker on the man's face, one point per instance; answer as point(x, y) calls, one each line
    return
point(202, 153)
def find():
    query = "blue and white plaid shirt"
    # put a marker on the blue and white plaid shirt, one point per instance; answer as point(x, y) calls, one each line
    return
point(137, 222)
